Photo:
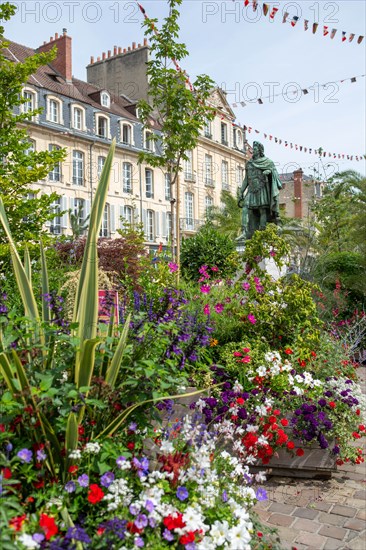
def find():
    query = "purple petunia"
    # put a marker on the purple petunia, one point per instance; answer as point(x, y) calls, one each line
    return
point(83, 480)
point(167, 535)
point(261, 494)
point(70, 487)
point(182, 493)
point(107, 479)
point(141, 521)
point(25, 455)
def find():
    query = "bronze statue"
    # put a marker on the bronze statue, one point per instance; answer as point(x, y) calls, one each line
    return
point(259, 193)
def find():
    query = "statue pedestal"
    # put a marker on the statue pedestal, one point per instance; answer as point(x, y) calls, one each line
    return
point(269, 265)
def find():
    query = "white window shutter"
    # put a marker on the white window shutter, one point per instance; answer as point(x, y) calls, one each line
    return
point(72, 204)
point(164, 228)
point(144, 221)
point(113, 219)
point(65, 215)
point(136, 215)
point(121, 217)
point(157, 225)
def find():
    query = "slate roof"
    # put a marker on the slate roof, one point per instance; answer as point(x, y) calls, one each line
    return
point(289, 176)
point(48, 78)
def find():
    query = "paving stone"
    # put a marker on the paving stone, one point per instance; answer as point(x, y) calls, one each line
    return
point(331, 519)
point(360, 495)
point(357, 544)
point(355, 524)
point(361, 514)
point(356, 503)
point(281, 508)
point(280, 519)
point(303, 524)
point(333, 544)
point(307, 513)
point(333, 532)
point(343, 511)
point(263, 514)
point(324, 506)
point(313, 539)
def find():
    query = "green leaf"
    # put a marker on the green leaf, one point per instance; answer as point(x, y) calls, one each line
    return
point(84, 372)
point(27, 265)
point(46, 315)
point(113, 370)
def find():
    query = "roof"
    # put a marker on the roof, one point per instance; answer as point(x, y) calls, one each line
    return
point(289, 176)
point(48, 78)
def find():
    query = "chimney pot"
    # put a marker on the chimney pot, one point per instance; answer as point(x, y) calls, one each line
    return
point(103, 56)
point(91, 60)
point(129, 48)
point(51, 38)
point(115, 50)
point(56, 35)
point(44, 42)
point(119, 50)
point(139, 45)
point(109, 53)
point(134, 45)
point(145, 41)
point(124, 50)
point(98, 58)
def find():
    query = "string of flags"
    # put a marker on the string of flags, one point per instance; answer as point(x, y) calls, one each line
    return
point(301, 148)
point(293, 20)
point(303, 91)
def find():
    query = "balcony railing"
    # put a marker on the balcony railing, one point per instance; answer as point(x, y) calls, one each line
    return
point(225, 186)
point(209, 182)
point(189, 176)
point(189, 224)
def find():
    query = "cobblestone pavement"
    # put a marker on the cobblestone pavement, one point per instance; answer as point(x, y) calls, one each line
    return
point(319, 515)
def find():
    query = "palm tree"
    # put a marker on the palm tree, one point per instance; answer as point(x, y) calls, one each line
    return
point(227, 217)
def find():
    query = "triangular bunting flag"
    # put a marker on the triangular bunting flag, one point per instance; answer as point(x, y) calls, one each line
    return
point(242, 103)
point(270, 137)
point(246, 3)
point(359, 39)
point(265, 135)
point(315, 27)
point(260, 101)
point(306, 24)
point(265, 9)
point(257, 131)
point(351, 37)
point(280, 141)
point(273, 13)
point(333, 33)
point(255, 5)
point(294, 20)
point(285, 16)
point(235, 106)
point(300, 147)
point(344, 37)
point(305, 91)
point(325, 30)
point(353, 79)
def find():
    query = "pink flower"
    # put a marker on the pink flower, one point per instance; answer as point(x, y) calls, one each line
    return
point(246, 350)
point(214, 268)
point(173, 267)
point(203, 269)
point(251, 319)
point(272, 253)
point(246, 286)
point(245, 359)
point(219, 308)
point(205, 289)
point(206, 309)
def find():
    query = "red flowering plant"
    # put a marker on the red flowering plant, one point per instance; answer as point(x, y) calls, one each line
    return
point(185, 494)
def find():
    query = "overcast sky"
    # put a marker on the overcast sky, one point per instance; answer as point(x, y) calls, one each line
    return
point(249, 58)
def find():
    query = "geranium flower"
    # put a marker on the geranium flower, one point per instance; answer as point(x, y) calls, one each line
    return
point(17, 522)
point(83, 480)
point(47, 523)
point(205, 289)
point(246, 286)
point(95, 494)
point(219, 308)
point(251, 319)
point(25, 455)
point(206, 309)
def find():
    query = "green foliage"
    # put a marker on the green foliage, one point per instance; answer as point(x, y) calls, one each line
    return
point(266, 244)
point(20, 166)
point(208, 247)
point(227, 218)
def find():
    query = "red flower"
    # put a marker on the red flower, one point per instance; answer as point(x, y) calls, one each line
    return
point(38, 484)
point(289, 351)
point(17, 522)
point(356, 435)
point(81, 430)
point(131, 445)
point(187, 538)
point(100, 531)
point(131, 527)
point(300, 452)
point(240, 401)
point(276, 412)
point(73, 469)
point(302, 362)
point(284, 421)
point(6, 473)
point(2, 428)
point(272, 419)
point(358, 412)
point(313, 354)
point(332, 404)
point(237, 354)
point(174, 522)
point(95, 493)
point(361, 428)
point(290, 445)
point(48, 525)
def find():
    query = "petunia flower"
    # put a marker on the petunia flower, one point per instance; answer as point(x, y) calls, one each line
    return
point(25, 455)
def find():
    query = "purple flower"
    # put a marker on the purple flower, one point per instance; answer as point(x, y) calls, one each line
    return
point(83, 480)
point(149, 506)
point(25, 455)
point(41, 455)
point(134, 510)
point(152, 523)
point(79, 534)
point(120, 460)
point(132, 427)
point(142, 466)
point(336, 450)
point(224, 496)
point(261, 494)
point(107, 479)
point(141, 521)
point(182, 493)
point(168, 535)
point(191, 546)
point(38, 537)
point(139, 542)
point(70, 487)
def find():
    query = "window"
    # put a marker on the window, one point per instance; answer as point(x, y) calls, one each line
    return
point(188, 170)
point(224, 140)
point(79, 211)
point(56, 225)
point(101, 162)
point(77, 118)
point(150, 225)
point(126, 134)
point(149, 142)
point(127, 177)
point(54, 111)
point(168, 188)
point(149, 183)
point(239, 175)
point(128, 214)
point(238, 138)
point(105, 99)
point(168, 225)
point(31, 147)
point(55, 174)
point(77, 168)
point(208, 206)
point(102, 126)
point(105, 227)
point(188, 206)
point(208, 170)
point(225, 174)
point(29, 105)
point(207, 129)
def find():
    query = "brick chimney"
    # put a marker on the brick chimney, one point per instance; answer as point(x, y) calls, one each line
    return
point(298, 192)
point(63, 62)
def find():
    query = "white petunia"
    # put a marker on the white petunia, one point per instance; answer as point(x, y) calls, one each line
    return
point(28, 541)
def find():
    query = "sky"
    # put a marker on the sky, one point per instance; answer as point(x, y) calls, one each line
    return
point(247, 55)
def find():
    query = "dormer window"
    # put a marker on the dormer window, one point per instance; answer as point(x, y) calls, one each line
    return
point(30, 100)
point(105, 99)
point(102, 126)
point(54, 110)
point(149, 142)
point(126, 133)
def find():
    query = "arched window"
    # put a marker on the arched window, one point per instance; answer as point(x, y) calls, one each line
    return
point(105, 99)
point(126, 133)
point(78, 117)
point(54, 110)
point(127, 177)
point(102, 126)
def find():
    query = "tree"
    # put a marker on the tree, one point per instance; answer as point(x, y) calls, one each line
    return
point(21, 166)
point(227, 218)
point(179, 108)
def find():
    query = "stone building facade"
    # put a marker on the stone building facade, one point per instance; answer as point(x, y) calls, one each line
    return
point(83, 118)
point(298, 193)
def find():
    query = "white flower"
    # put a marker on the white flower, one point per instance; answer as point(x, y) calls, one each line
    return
point(251, 428)
point(92, 448)
point(200, 405)
point(75, 455)
point(219, 532)
point(237, 388)
point(261, 371)
point(166, 446)
point(260, 476)
point(298, 391)
point(28, 541)
point(261, 409)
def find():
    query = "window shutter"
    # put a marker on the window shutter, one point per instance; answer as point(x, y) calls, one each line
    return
point(136, 215)
point(65, 215)
point(72, 204)
point(157, 226)
point(144, 221)
point(87, 210)
point(164, 227)
point(113, 220)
